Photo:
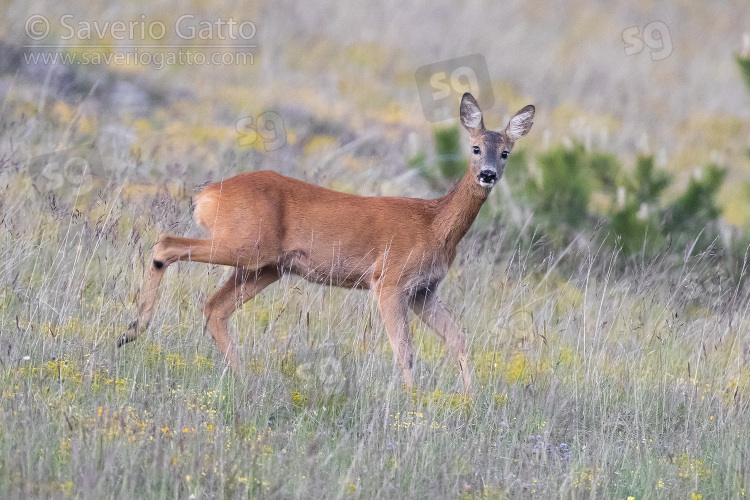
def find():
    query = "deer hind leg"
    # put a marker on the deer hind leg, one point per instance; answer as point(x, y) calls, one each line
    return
point(168, 250)
point(394, 312)
point(242, 286)
point(426, 305)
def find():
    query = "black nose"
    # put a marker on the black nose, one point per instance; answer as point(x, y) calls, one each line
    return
point(487, 176)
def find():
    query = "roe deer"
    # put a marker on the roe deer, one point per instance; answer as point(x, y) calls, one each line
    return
point(265, 225)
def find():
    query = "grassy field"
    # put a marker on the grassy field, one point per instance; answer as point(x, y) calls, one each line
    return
point(590, 380)
point(595, 376)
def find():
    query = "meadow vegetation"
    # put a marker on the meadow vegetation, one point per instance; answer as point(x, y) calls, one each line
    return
point(604, 294)
point(591, 379)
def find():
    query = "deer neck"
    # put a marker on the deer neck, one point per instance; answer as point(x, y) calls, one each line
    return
point(458, 209)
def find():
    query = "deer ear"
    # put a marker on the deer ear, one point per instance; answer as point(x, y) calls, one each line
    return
point(521, 123)
point(471, 115)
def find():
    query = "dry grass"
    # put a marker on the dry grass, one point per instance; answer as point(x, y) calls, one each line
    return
point(593, 379)
point(600, 382)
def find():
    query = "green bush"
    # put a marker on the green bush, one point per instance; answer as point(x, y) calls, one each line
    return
point(648, 183)
point(560, 197)
point(696, 210)
point(518, 176)
point(566, 186)
point(450, 162)
point(569, 177)
point(637, 224)
point(633, 232)
point(744, 65)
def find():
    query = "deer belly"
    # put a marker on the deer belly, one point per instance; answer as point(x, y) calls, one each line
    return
point(331, 269)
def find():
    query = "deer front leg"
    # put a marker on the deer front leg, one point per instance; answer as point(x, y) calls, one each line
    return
point(394, 312)
point(426, 305)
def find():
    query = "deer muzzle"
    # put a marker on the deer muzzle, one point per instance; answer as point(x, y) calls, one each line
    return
point(487, 177)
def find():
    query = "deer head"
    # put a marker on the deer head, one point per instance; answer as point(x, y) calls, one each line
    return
point(490, 150)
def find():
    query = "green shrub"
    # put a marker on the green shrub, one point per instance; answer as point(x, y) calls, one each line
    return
point(450, 162)
point(744, 65)
point(569, 177)
point(648, 183)
point(633, 232)
point(449, 166)
point(517, 175)
point(566, 186)
point(636, 224)
point(696, 210)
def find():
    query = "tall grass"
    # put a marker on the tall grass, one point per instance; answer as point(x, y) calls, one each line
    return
point(591, 380)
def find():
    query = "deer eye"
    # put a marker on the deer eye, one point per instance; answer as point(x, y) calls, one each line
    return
point(504, 154)
point(476, 150)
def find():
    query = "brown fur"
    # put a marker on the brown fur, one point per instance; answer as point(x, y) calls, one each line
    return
point(265, 225)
